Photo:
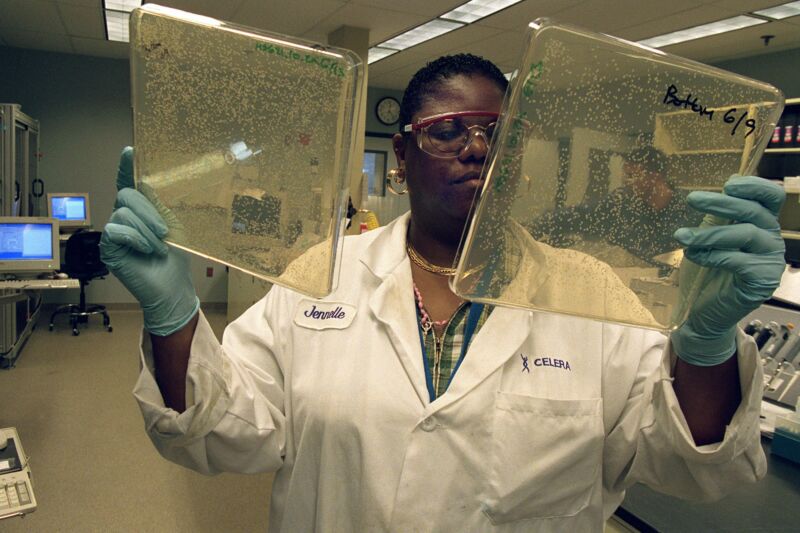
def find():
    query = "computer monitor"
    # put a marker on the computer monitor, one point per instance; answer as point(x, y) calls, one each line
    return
point(70, 208)
point(28, 245)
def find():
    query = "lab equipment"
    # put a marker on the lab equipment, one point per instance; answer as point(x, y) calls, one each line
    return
point(778, 340)
point(244, 139)
point(786, 439)
point(366, 219)
point(780, 359)
point(790, 214)
point(753, 327)
point(599, 144)
point(772, 354)
point(70, 208)
point(763, 336)
point(20, 187)
point(34, 284)
point(16, 484)
point(790, 351)
point(784, 387)
point(28, 246)
point(28, 249)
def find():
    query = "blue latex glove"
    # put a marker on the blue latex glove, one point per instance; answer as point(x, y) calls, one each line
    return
point(133, 250)
point(746, 259)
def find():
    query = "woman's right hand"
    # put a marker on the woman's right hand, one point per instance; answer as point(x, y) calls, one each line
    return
point(133, 249)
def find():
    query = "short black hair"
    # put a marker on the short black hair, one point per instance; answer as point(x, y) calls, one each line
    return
point(429, 77)
point(650, 158)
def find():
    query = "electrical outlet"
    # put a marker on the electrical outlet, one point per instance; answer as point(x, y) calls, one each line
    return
point(209, 272)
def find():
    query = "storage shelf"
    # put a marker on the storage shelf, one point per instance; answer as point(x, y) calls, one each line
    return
point(782, 150)
point(711, 151)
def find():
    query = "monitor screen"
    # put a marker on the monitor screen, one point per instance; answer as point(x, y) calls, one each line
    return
point(28, 244)
point(71, 209)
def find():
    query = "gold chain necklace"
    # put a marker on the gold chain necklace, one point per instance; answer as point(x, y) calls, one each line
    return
point(424, 264)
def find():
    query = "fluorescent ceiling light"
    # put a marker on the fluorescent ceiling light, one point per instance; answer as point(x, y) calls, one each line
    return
point(376, 54)
point(477, 9)
point(117, 13)
point(123, 5)
point(420, 34)
point(706, 30)
point(117, 25)
point(780, 12)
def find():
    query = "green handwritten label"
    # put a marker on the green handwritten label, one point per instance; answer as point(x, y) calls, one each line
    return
point(517, 134)
point(515, 141)
point(534, 74)
point(324, 63)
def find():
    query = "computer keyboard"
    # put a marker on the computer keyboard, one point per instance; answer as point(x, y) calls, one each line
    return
point(37, 283)
point(16, 491)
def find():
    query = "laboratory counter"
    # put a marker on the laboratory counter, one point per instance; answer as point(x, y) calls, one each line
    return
point(771, 505)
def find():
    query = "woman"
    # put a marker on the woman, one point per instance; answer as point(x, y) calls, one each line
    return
point(544, 424)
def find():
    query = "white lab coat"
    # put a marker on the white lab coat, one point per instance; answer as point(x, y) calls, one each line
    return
point(331, 394)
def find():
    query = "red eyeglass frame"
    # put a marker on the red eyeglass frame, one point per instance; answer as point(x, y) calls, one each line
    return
point(427, 121)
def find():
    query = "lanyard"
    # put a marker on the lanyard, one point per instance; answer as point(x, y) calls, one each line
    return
point(475, 311)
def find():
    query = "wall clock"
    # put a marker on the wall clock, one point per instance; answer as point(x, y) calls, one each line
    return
point(388, 110)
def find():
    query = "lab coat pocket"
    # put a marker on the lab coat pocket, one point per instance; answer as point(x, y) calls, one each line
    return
point(546, 457)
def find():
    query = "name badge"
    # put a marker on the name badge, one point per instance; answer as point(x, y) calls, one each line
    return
point(324, 315)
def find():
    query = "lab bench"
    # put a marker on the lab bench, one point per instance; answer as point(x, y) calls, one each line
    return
point(771, 505)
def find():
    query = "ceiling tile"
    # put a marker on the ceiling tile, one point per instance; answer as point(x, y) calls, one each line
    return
point(100, 48)
point(397, 79)
point(83, 21)
point(296, 18)
point(745, 6)
point(427, 8)
point(608, 16)
point(47, 25)
point(37, 41)
point(97, 4)
point(382, 26)
point(501, 48)
point(218, 9)
point(518, 16)
point(741, 43)
point(794, 21)
point(448, 43)
point(687, 19)
point(30, 15)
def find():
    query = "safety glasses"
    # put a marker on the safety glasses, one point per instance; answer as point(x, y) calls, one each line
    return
point(446, 135)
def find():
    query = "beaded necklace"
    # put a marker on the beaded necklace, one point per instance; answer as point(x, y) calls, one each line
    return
point(425, 320)
point(427, 325)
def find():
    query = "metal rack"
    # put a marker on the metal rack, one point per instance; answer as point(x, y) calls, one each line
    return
point(21, 191)
point(20, 187)
point(793, 103)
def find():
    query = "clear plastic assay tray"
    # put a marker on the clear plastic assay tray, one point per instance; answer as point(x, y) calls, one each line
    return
point(600, 142)
point(243, 141)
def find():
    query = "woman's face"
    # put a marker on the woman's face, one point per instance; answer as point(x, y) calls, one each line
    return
point(441, 190)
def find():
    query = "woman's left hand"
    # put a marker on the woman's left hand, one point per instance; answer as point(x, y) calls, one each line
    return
point(746, 261)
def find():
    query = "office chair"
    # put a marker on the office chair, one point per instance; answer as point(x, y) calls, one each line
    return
point(82, 262)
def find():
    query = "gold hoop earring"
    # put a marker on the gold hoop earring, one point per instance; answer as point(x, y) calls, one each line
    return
point(397, 177)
